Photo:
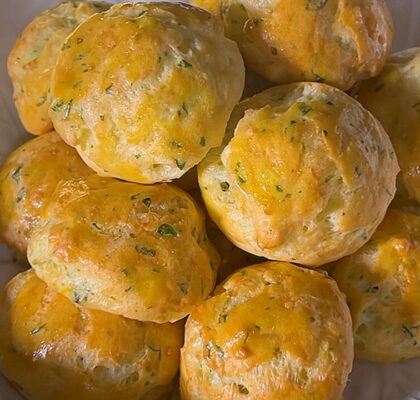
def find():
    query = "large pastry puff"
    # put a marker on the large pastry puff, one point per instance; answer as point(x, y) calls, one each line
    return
point(51, 349)
point(307, 176)
point(272, 331)
point(394, 98)
point(128, 249)
point(381, 282)
point(143, 91)
point(34, 55)
point(27, 179)
point(338, 42)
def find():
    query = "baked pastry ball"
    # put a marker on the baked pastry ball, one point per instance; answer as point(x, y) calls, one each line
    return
point(34, 55)
point(381, 282)
point(393, 97)
point(143, 91)
point(272, 331)
point(128, 249)
point(51, 349)
point(338, 42)
point(28, 177)
point(307, 176)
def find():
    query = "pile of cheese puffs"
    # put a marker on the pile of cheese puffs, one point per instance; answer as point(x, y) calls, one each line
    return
point(269, 147)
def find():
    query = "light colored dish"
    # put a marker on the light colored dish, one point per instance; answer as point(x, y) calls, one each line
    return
point(306, 178)
point(382, 284)
point(52, 349)
point(28, 178)
point(272, 331)
point(34, 55)
point(338, 42)
point(144, 90)
point(124, 248)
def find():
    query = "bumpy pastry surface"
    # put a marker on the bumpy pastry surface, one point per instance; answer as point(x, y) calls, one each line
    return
point(128, 249)
point(381, 282)
point(272, 331)
point(51, 349)
point(338, 42)
point(307, 176)
point(33, 57)
point(393, 97)
point(28, 177)
point(143, 91)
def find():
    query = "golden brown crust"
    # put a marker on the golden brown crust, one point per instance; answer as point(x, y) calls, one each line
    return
point(144, 90)
point(394, 98)
point(272, 331)
point(381, 282)
point(307, 176)
point(52, 349)
point(338, 42)
point(129, 249)
point(34, 55)
point(28, 177)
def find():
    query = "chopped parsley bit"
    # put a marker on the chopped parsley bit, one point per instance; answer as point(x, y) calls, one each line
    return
point(318, 78)
point(68, 109)
point(66, 45)
point(357, 171)
point(257, 21)
point(325, 132)
point(407, 331)
point(372, 289)
point(379, 87)
point(102, 117)
point(95, 225)
point(312, 319)
point(109, 90)
point(184, 107)
point(159, 351)
point(135, 196)
point(180, 164)
point(293, 122)
point(42, 101)
point(222, 318)
point(147, 201)
point(57, 106)
point(79, 40)
point(77, 84)
point(315, 5)
point(138, 155)
point(184, 64)
point(304, 108)
point(20, 195)
point(17, 173)
point(175, 145)
point(242, 389)
point(128, 289)
point(279, 188)
point(167, 230)
point(224, 186)
point(125, 272)
point(145, 251)
point(274, 51)
point(330, 103)
point(132, 235)
point(78, 298)
point(288, 196)
point(183, 287)
point(36, 330)
point(241, 180)
point(202, 141)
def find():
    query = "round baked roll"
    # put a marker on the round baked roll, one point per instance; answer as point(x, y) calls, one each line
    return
point(34, 55)
point(306, 178)
point(128, 249)
point(51, 349)
point(393, 97)
point(381, 282)
point(28, 177)
point(272, 331)
point(143, 91)
point(338, 42)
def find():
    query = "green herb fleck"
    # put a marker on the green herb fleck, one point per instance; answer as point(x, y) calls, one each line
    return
point(202, 141)
point(42, 101)
point(167, 230)
point(95, 225)
point(184, 64)
point(288, 196)
point(279, 188)
point(125, 272)
point(257, 21)
point(242, 389)
point(224, 186)
point(135, 196)
point(325, 132)
point(330, 103)
point(293, 122)
point(176, 145)
point(66, 45)
point(147, 201)
point(20, 195)
point(372, 289)
point(17, 173)
point(357, 170)
point(274, 51)
point(102, 117)
point(222, 318)
point(79, 40)
point(109, 89)
point(180, 164)
point(315, 5)
point(145, 251)
point(318, 78)
point(36, 330)
point(68, 109)
point(241, 180)
point(57, 106)
point(304, 108)
point(138, 155)
point(407, 331)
